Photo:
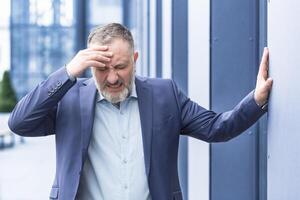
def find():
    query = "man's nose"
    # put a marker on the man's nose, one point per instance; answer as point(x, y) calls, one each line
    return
point(112, 77)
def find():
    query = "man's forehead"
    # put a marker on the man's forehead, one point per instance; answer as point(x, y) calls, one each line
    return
point(122, 53)
point(120, 58)
point(116, 44)
point(120, 46)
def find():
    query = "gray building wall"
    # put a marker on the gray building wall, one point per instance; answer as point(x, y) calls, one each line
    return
point(284, 109)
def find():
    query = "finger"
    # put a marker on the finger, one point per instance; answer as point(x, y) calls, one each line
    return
point(264, 65)
point(101, 53)
point(95, 64)
point(96, 47)
point(269, 83)
point(98, 57)
point(264, 60)
point(89, 52)
point(105, 53)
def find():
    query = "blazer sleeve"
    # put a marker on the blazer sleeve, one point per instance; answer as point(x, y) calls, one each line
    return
point(209, 126)
point(35, 114)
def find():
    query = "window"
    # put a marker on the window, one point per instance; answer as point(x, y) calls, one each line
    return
point(42, 38)
point(5, 37)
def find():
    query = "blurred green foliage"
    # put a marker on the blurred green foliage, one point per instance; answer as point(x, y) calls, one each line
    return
point(8, 98)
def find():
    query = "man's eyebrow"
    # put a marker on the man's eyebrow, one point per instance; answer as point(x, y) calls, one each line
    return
point(121, 63)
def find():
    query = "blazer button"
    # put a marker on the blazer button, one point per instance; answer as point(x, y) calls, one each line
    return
point(58, 83)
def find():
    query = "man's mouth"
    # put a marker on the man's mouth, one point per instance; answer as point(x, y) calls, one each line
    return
point(114, 85)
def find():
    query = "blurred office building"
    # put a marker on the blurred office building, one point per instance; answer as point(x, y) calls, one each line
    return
point(210, 48)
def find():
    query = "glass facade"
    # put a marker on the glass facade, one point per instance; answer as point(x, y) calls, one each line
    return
point(46, 34)
point(5, 37)
point(101, 12)
point(42, 40)
point(136, 18)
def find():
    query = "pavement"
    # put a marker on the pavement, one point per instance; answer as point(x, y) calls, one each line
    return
point(27, 170)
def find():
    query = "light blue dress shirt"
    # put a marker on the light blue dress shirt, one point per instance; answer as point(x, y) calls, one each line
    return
point(115, 168)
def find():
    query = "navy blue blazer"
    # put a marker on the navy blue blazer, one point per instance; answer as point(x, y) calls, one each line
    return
point(66, 108)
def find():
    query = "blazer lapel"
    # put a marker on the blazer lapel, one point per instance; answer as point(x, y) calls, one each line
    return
point(144, 93)
point(87, 111)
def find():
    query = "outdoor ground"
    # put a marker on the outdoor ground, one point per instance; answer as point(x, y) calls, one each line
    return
point(27, 169)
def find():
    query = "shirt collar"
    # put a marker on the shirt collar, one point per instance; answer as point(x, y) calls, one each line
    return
point(133, 93)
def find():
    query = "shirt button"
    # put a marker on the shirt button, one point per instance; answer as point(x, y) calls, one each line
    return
point(123, 137)
point(125, 187)
point(125, 161)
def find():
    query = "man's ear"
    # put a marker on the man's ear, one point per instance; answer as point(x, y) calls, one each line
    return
point(135, 56)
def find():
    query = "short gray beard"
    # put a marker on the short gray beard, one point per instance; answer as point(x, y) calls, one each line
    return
point(119, 97)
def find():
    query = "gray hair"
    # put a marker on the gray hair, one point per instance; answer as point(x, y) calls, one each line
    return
point(106, 34)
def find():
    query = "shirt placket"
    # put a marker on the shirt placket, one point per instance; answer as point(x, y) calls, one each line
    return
point(123, 136)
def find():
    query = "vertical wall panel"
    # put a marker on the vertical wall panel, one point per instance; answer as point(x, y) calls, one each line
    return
point(263, 122)
point(145, 32)
point(198, 90)
point(81, 24)
point(167, 38)
point(179, 74)
point(152, 38)
point(234, 60)
point(284, 108)
point(158, 38)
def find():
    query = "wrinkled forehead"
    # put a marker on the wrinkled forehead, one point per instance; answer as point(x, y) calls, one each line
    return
point(117, 46)
point(122, 52)
point(121, 49)
point(110, 40)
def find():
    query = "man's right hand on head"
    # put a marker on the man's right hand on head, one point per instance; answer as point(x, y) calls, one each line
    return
point(94, 56)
